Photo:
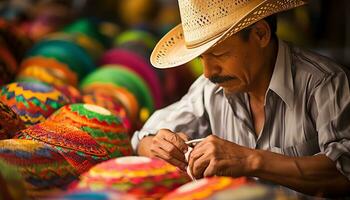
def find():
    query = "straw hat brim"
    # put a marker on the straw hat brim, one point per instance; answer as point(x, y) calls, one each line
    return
point(171, 50)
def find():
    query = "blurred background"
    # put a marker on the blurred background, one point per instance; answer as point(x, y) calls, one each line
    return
point(82, 67)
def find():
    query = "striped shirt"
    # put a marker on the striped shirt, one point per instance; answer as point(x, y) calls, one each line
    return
point(307, 110)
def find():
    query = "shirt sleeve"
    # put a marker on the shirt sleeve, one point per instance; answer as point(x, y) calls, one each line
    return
point(332, 98)
point(187, 115)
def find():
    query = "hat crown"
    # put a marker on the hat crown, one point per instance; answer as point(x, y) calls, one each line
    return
point(205, 19)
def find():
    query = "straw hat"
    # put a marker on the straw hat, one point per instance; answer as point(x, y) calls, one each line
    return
point(205, 23)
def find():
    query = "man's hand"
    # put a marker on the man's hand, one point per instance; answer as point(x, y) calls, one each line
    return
point(166, 145)
point(215, 156)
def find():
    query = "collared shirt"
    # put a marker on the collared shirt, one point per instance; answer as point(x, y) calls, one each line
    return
point(307, 110)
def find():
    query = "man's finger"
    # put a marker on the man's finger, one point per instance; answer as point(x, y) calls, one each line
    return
point(199, 166)
point(162, 154)
point(183, 136)
point(172, 150)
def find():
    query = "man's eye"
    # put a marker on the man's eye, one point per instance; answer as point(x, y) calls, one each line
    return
point(218, 54)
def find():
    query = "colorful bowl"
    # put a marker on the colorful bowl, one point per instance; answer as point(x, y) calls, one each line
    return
point(122, 77)
point(95, 195)
point(205, 188)
point(76, 146)
point(42, 167)
point(126, 98)
point(139, 65)
point(140, 176)
point(107, 129)
point(136, 35)
point(60, 69)
point(72, 93)
point(10, 122)
point(11, 182)
point(66, 52)
point(33, 102)
point(89, 44)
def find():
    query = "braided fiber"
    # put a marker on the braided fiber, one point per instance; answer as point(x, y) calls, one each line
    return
point(42, 167)
point(139, 176)
point(10, 122)
point(33, 102)
point(205, 188)
point(106, 128)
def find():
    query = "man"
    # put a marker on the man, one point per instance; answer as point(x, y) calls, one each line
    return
point(265, 108)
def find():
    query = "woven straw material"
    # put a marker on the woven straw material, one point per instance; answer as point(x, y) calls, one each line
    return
point(111, 103)
point(33, 102)
point(206, 23)
point(41, 166)
point(46, 75)
point(72, 93)
point(10, 122)
point(106, 128)
point(126, 98)
point(77, 147)
point(205, 188)
point(59, 67)
point(96, 195)
point(11, 182)
point(139, 176)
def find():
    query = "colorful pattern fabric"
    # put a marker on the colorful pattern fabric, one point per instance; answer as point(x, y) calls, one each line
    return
point(205, 188)
point(11, 182)
point(126, 98)
point(70, 92)
point(41, 166)
point(140, 176)
point(10, 122)
point(67, 74)
point(107, 129)
point(96, 195)
point(33, 102)
point(75, 145)
point(111, 103)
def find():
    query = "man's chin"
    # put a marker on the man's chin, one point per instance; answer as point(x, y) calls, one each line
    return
point(230, 91)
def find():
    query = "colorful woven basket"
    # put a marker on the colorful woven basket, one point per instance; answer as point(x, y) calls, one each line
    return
point(75, 145)
point(205, 188)
point(107, 129)
point(96, 195)
point(10, 122)
point(60, 69)
point(41, 166)
point(140, 176)
point(66, 52)
point(11, 182)
point(136, 35)
point(45, 75)
point(140, 66)
point(118, 94)
point(72, 93)
point(33, 102)
point(89, 44)
point(122, 77)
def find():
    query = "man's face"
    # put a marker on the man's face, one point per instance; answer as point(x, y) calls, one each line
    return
point(234, 64)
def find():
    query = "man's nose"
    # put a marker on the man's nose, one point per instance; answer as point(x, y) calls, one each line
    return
point(210, 67)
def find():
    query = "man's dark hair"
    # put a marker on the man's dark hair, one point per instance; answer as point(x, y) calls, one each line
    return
point(271, 20)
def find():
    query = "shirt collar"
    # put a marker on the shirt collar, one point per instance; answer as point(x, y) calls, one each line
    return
point(282, 81)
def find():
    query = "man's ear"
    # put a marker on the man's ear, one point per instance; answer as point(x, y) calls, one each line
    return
point(262, 33)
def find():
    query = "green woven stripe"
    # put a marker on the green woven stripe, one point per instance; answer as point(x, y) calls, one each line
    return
point(81, 110)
